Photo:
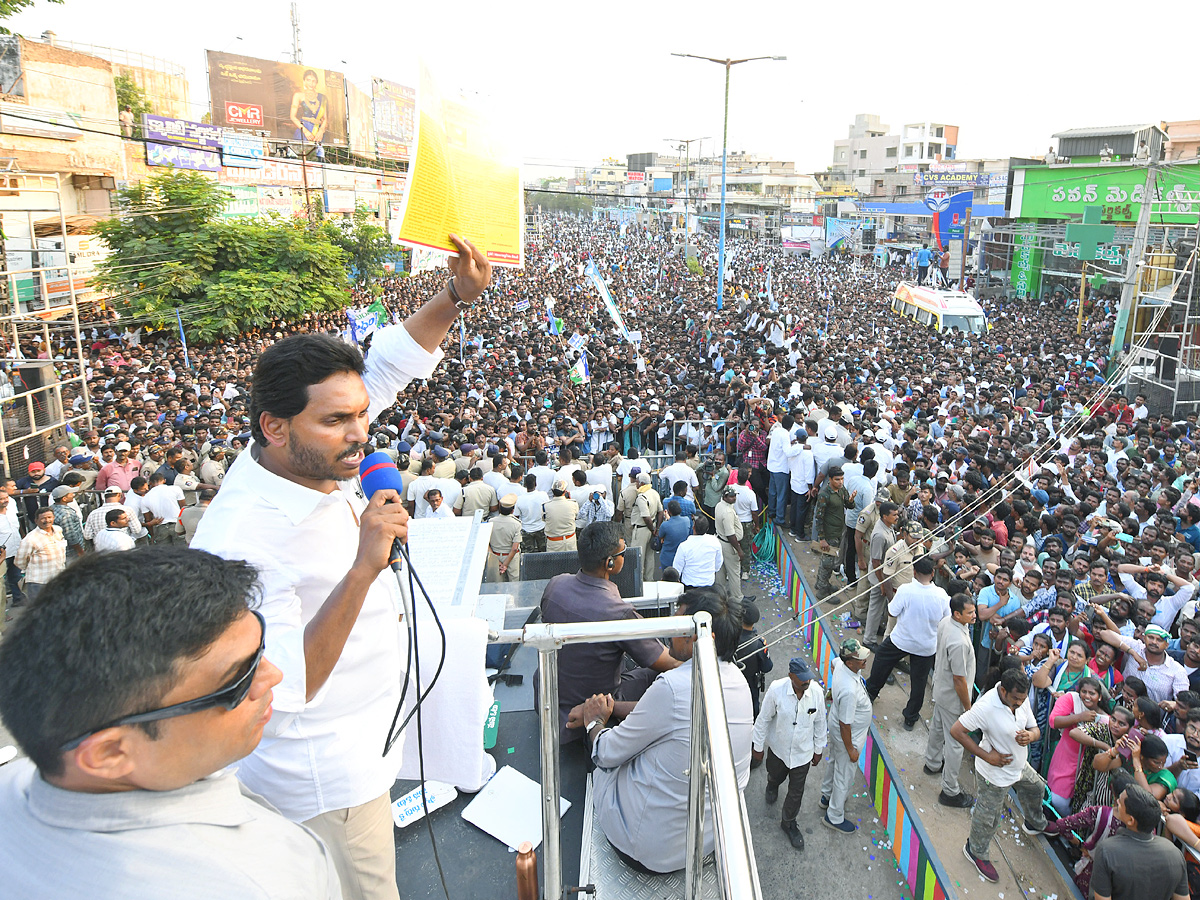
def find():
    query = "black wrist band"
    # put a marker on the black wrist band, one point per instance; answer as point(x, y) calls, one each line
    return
point(459, 304)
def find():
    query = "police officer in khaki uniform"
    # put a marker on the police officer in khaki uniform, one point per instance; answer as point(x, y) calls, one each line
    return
point(477, 495)
point(560, 514)
point(504, 546)
point(729, 533)
point(646, 513)
point(624, 513)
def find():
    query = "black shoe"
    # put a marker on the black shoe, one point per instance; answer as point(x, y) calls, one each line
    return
point(824, 803)
point(746, 599)
point(961, 800)
point(871, 645)
point(772, 792)
point(909, 724)
point(937, 771)
point(891, 679)
point(792, 830)
point(902, 665)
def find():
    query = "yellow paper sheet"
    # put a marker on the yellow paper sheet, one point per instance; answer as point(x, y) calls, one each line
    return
point(461, 183)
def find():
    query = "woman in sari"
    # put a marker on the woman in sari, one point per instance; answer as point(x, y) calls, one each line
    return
point(1103, 751)
point(1104, 668)
point(1071, 710)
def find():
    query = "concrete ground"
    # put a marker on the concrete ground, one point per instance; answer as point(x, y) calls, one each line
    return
point(864, 867)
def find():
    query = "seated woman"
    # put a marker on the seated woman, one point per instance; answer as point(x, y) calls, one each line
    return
point(1105, 750)
point(1074, 708)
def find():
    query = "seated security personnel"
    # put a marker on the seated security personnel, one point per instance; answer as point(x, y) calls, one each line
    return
point(640, 786)
point(132, 683)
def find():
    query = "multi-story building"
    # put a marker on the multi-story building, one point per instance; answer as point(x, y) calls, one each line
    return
point(870, 151)
point(1183, 139)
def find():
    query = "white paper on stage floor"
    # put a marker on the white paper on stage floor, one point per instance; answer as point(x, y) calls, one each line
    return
point(448, 555)
point(409, 808)
point(509, 808)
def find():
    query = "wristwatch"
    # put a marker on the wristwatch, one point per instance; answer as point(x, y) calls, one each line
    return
point(592, 724)
point(458, 301)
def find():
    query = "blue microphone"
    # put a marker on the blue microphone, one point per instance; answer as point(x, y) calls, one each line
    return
point(378, 472)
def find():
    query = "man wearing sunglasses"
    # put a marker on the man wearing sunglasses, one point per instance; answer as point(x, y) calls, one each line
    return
point(132, 685)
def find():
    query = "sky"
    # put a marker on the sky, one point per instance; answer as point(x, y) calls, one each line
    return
point(576, 83)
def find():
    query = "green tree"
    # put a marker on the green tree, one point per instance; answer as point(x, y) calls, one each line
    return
point(367, 245)
point(131, 94)
point(172, 250)
point(9, 8)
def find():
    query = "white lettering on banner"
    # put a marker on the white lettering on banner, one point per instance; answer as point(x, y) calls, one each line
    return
point(409, 808)
point(1107, 253)
point(243, 113)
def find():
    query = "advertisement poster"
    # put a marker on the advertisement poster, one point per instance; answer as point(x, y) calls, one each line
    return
point(1051, 193)
point(181, 144)
point(395, 118)
point(362, 121)
point(290, 102)
point(461, 183)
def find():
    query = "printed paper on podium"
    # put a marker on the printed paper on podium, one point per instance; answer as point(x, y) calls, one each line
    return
point(448, 556)
point(462, 181)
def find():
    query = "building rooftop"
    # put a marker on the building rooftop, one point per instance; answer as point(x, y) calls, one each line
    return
point(1103, 131)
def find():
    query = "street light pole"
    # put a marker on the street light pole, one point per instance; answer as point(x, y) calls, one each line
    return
point(728, 64)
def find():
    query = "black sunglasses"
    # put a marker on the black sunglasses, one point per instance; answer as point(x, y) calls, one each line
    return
point(228, 697)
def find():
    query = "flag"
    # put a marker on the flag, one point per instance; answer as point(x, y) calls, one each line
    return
point(364, 322)
point(594, 277)
point(521, 306)
point(580, 373)
point(555, 323)
point(182, 338)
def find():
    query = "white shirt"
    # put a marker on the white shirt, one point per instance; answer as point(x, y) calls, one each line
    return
point(545, 476)
point(680, 471)
point(529, 510)
point(777, 449)
point(918, 609)
point(794, 728)
point(802, 466)
point(162, 502)
point(698, 559)
point(10, 530)
point(746, 502)
point(421, 485)
point(600, 475)
point(112, 539)
point(497, 483)
point(321, 754)
point(1000, 726)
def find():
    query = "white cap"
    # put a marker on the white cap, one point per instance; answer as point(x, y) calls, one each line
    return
point(830, 432)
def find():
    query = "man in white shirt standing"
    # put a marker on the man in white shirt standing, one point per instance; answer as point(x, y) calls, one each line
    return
point(918, 607)
point(1006, 719)
point(779, 470)
point(680, 471)
point(791, 726)
point(699, 557)
point(292, 505)
point(802, 471)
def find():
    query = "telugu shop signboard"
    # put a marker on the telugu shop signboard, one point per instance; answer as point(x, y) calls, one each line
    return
point(1062, 192)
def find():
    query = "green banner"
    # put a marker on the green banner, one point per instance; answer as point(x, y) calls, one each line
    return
point(1045, 192)
point(1027, 261)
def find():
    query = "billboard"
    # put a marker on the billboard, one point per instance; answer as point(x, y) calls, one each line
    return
point(181, 144)
point(957, 178)
point(1061, 192)
point(244, 150)
point(395, 112)
point(289, 102)
point(362, 121)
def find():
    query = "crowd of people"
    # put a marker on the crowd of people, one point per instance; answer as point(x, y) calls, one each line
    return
point(992, 492)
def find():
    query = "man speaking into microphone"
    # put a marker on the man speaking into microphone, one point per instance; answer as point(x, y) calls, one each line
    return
point(292, 507)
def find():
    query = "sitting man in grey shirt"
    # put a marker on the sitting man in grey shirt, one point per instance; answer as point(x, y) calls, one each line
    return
point(131, 685)
point(640, 786)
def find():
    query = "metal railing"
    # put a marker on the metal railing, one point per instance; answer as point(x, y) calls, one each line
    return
point(712, 768)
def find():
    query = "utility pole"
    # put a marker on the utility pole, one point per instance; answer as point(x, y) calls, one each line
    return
point(297, 54)
point(685, 144)
point(1132, 265)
